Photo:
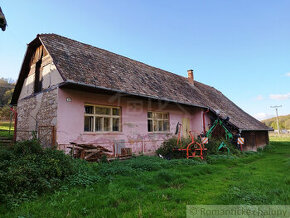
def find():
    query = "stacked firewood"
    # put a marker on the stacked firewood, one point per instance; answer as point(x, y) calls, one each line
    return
point(89, 152)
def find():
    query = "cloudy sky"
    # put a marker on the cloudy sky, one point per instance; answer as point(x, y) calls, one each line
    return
point(240, 47)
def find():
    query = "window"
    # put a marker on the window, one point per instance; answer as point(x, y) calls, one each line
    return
point(38, 77)
point(102, 119)
point(158, 122)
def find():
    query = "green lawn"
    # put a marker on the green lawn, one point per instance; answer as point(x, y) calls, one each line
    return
point(4, 129)
point(254, 178)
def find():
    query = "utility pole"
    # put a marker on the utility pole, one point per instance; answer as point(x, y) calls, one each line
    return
point(277, 118)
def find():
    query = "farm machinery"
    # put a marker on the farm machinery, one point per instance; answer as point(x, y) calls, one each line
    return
point(228, 134)
point(229, 137)
point(198, 149)
point(194, 148)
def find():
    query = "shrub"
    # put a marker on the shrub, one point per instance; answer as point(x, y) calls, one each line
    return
point(27, 147)
point(169, 151)
point(168, 148)
point(268, 148)
point(213, 145)
point(27, 170)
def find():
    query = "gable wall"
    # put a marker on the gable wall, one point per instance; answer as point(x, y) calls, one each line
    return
point(50, 77)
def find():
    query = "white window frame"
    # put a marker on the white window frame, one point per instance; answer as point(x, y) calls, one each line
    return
point(111, 116)
point(154, 118)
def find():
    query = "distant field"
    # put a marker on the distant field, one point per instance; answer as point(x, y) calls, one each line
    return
point(281, 137)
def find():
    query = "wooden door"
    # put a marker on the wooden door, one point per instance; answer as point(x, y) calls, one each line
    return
point(185, 127)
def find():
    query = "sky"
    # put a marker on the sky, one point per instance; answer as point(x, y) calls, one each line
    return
point(240, 47)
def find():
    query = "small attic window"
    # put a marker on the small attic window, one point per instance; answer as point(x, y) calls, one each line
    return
point(38, 77)
point(36, 59)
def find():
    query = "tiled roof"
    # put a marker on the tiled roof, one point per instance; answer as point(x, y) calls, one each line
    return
point(93, 66)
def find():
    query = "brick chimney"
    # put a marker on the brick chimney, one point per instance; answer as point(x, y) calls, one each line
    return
point(190, 77)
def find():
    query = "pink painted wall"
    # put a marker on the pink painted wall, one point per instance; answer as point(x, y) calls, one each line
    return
point(70, 120)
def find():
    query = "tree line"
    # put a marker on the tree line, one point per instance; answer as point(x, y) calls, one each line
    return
point(284, 122)
point(6, 91)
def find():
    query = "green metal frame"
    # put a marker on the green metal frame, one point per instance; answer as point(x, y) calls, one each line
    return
point(229, 135)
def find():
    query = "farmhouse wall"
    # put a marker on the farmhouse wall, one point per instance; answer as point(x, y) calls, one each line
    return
point(36, 115)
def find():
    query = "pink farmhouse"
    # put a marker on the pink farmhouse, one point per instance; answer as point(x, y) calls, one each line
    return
point(68, 91)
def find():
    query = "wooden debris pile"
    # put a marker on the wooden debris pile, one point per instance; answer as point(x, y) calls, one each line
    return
point(89, 152)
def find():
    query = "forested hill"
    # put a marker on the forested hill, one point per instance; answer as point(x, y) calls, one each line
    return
point(6, 91)
point(284, 122)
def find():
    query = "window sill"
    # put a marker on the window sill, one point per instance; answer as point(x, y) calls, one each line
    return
point(159, 133)
point(102, 133)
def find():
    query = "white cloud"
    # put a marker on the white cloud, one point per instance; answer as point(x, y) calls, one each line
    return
point(262, 116)
point(259, 98)
point(280, 96)
point(287, 74)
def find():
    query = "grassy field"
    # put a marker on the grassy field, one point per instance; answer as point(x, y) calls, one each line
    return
point(254, 178)
point(4, 129)
point(281, 137)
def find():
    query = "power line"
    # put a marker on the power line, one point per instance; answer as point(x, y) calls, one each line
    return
point(277, 118)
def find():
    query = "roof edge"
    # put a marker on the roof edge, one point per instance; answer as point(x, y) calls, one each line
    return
point(29, 52)
point(71, 82)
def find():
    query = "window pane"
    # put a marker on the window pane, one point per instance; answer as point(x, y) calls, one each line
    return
point(89, 109)
point(165, 116)
point(159, 115)
point(149, 114)
point(154, 125)
point(150, 126)
point(160, 125)
point(98, 124)
point(88, 127)
point(116, 124)
point(107, 124)
point(165, 125)
point(116, 111)
point(103, 110)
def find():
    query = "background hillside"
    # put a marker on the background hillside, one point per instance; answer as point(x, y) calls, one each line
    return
point(284, 122)
point(6, 91)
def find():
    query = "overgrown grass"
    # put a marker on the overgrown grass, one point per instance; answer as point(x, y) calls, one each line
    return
point(154, 187)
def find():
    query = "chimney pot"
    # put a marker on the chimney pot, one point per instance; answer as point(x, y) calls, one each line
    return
point(190, 77)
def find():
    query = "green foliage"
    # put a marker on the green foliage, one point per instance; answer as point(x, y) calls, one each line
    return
point(27, 170)
point(284, 122)
point(169, 151)
point(27, 147)
point(168, 148)
point(213, 145)
point(6, 91)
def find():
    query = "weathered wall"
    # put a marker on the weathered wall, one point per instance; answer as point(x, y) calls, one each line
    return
point(50, 77)
point(255, 139)
point(36, 111)
point(134, 132)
